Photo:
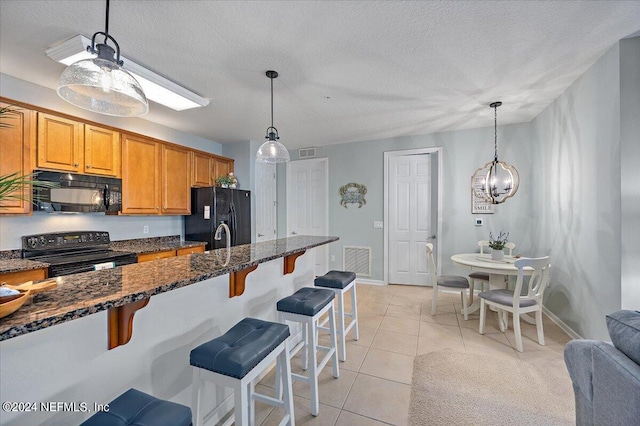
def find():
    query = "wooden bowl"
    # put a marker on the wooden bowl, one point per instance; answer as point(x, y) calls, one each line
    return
point(10, 304)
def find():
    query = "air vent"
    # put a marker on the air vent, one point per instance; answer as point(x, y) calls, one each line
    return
point(307, 153)
point(357, 259)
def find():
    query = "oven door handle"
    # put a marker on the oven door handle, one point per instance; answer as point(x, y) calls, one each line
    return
point(106, 196)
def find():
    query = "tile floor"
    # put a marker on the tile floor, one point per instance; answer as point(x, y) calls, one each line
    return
point(396, 325)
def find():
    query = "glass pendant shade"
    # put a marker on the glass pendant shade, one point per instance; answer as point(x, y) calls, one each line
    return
point(272, 152)
point(500, 181)
point(102, 86)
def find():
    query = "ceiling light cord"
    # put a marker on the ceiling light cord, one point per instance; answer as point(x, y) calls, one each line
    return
point(495, 131)
point(106, 24)
point(272, 132)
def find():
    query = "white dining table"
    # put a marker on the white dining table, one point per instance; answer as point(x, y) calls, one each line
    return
point(497, 269)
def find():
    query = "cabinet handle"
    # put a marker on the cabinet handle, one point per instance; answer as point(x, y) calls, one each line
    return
point(76, 164)
point(88, 166)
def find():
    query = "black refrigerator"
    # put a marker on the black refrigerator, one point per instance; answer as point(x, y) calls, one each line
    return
point(212, 206)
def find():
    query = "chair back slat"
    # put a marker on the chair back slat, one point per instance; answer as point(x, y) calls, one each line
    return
point(537, 282)
point(483, 244)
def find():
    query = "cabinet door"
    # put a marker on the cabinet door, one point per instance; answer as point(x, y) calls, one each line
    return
point(17, 134)
point(59, 143)
point(176, 180)
point(201, 173)
point(147, 257)
point(101, 151)
point(222, 167)
point(140, 175)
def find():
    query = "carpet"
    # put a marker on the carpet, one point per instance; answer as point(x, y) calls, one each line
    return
point(458, 388)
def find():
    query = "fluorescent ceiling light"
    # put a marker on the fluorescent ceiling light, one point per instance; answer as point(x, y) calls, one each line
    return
point(156, 87)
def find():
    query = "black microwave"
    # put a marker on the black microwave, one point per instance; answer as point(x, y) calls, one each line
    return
point(69, 192)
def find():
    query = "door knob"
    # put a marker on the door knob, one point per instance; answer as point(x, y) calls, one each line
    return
point(260, 235)
point(433, 237)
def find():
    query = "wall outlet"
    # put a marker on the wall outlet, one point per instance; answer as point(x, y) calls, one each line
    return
point(478, 222)
point(333, 257)
point(145, 229)
point(378, 224)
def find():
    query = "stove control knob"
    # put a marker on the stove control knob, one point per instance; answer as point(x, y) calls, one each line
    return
point(33, 242)
point(105, 236)
point(90, 237)
point(43, 241)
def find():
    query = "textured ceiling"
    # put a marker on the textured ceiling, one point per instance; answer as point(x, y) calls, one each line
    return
point(350, 70)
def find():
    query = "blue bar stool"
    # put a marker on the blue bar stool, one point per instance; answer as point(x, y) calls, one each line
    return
point(341, 282)
point(236, 359)
point(138, 408)
point(306, 306)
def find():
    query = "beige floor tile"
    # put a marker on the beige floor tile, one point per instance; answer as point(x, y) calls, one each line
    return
point(395, 342)
point(434, 337)
point(355, 357)
point(494, 344)
point(347, 418)
point(367, 319)
point(444, 305)
point(399, 311)
point(365, 335)
point(407, 300)
point(263, 410)
point(400, 325)
point(440, 318)
point(372, 308)
point(379, 399)
point(388, 365)
point(333, 391)
point(326, 417)
point(379, 298)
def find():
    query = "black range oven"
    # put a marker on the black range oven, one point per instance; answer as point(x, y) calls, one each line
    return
point(74, 252)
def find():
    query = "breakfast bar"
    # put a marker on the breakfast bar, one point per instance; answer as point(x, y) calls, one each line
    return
point(57, 347)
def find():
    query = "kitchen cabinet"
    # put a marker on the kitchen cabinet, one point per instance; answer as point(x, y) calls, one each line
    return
point(176, 180)
point(146, 257)
point(17, 139)
point(140, 175)
point(20, 277)
point(207, 167)
point(72, 146)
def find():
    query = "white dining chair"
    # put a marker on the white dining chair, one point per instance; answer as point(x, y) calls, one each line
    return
point(450, 281)
point(513, 301)
point(482, 278)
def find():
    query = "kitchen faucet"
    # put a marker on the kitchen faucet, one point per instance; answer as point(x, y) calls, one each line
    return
point(218, 235)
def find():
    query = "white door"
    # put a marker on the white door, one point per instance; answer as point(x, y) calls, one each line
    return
point(266, 208)
point(307, 203)
point(410, 221)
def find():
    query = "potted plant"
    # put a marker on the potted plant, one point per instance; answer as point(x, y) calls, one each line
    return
point(227, 181)
point(497, 245)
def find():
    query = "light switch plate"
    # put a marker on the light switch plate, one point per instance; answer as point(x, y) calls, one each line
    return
point(207, 212)
point(478, 222)
point(377, 224)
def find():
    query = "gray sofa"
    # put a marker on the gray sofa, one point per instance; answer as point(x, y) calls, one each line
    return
point(606, 376)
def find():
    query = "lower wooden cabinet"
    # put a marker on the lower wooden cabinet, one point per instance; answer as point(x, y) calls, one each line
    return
point(20, 277)
point(146, 257)
point(190, 250)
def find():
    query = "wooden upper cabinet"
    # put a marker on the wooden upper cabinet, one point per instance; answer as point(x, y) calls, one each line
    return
point(140, 175)
point(201, 169)
point(17, 139)
point(221, 168)
point(101, 151)
point(176, 180)
point(59, 143)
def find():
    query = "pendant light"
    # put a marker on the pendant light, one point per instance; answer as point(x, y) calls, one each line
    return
point(272, 151)
point(499, 181)
point(101, 84)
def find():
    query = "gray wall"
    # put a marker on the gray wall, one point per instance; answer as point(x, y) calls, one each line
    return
point(120, 227)
point(463, 152)
point(576, 197)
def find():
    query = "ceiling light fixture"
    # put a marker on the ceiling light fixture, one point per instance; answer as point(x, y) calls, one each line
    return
point(101, 84)
point(500, 181)
point(156, 87)
point(272, 151)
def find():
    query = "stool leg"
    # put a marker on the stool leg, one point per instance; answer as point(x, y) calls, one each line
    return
point(354, 312)
point(313, 374)
point(241, 408)
point(341, 336)
point(305, 338)
point(285, 377)
point(251, 412)
point(196, 388)
point(332, 330)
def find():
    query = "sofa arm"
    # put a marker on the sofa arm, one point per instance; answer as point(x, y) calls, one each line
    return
point(577, 357)
point(616, 387)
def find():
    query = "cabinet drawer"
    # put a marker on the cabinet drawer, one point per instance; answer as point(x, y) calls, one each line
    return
point(190, 250)
point(23, 276)
point(146, 257)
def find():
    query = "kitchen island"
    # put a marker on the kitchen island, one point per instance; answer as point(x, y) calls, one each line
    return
point(55, 349)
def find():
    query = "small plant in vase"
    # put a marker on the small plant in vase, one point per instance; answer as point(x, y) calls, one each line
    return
point(227, 181)
point(497, 245)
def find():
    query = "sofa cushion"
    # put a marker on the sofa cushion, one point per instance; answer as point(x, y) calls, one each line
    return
point(624, 330)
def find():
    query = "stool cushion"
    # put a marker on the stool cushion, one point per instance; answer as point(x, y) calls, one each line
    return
point(479, 276)
point(306, 301)
point(140, 409)
point(453, 281)
point(236, 352)
point(335, 279)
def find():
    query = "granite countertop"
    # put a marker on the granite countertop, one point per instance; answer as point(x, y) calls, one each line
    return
point(84, 294)
point(18, 265)
point(152, 245)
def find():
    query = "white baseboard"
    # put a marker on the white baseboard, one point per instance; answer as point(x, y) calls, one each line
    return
point(561, 324)
point(368, 281)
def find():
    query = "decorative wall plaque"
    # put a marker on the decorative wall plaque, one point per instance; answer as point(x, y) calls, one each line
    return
point(353, 193)
point(478, 204)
